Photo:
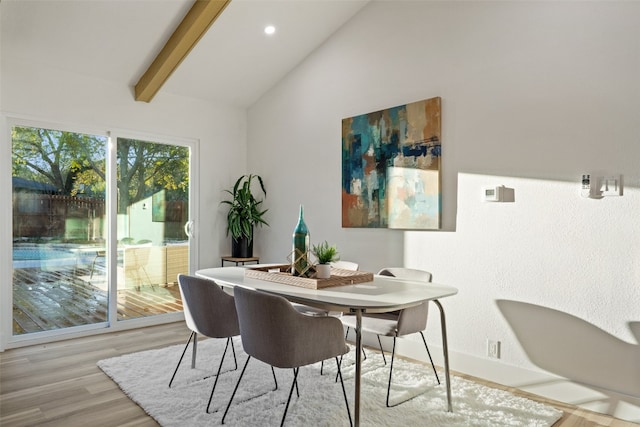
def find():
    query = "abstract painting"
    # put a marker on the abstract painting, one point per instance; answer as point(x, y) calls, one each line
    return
point(391, 162)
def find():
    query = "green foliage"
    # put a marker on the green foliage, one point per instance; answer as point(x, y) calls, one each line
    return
point(244, 209)
point(146, 168)
point(325, 253)
point(72, 162)
point(75, 164)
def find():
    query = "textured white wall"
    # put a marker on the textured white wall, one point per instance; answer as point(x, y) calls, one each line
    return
point(533, 95)
point(32, 90)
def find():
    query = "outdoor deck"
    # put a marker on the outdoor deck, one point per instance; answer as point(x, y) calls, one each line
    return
point(48, 300)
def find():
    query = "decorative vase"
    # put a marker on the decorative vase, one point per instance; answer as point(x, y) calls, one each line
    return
point(299, 255)
point(323, 271)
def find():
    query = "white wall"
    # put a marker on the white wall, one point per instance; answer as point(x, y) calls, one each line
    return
point(533, 95)
point(31, 90)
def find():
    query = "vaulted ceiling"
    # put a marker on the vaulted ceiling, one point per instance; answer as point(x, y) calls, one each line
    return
point(234, 63)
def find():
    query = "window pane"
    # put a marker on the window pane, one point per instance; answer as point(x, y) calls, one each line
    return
point(153, 190)
point(59, 275)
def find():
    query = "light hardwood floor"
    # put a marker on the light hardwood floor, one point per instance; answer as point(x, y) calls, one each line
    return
point(59, 384)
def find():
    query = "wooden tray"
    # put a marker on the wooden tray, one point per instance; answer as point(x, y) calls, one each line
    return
point(282, 274)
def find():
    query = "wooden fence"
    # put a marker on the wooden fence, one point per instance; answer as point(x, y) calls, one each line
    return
point(37, 215)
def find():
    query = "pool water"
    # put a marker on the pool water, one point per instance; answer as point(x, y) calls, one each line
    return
point(43, 257)
point(23, 254)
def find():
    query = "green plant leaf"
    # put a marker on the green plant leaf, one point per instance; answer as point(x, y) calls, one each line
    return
point(325, 253)
point(244, 209)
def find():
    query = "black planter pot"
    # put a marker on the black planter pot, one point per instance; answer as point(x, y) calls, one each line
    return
point(241, 248)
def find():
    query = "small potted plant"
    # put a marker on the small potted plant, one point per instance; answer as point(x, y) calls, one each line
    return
point(325, 254)
point(245, 211)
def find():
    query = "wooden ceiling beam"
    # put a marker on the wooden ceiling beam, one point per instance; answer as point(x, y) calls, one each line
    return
point(193, 26)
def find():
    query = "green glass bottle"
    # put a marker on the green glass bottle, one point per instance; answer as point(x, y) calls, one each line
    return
point(299, 256)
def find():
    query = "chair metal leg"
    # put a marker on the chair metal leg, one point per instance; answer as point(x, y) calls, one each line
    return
point(296, 382)
point(340, 363)
point(235, 390)
point(344, 392)
point(273, 372)
point(430, 359)
point(393, 353)
point(238, 384)
point(363, 352)
point(194, 336)
point(182, 356)
point(293, 384)
point(224, 353)
point(233, 349)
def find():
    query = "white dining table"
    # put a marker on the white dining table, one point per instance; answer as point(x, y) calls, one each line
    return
point(382, 295)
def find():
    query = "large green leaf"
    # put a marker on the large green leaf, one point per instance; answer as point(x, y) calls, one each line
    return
point(244, 209)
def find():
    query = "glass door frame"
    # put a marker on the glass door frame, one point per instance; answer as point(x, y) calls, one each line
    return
point(7, 339)
point(112, 198)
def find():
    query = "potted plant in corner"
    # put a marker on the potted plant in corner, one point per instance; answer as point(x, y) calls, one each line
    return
point(244, 213)
point(326, 254)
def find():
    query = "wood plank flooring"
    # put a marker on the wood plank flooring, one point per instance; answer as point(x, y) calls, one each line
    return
point(66, 297)
point(59, 384)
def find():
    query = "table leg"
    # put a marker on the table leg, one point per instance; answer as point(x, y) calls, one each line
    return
point(358, 365)
point(445, 350)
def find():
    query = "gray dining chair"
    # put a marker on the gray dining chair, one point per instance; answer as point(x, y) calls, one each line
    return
point(273, 332)
point(208, 311)
point(397, 323)
point(314, 311)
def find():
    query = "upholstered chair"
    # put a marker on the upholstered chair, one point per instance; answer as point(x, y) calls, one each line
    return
point(208, 311)
point(275, 333)
point(397, 323)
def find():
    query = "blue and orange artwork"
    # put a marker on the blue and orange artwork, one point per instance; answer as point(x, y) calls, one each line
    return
point(391, 162)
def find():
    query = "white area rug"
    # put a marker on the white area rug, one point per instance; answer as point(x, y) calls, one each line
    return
point(144, 377)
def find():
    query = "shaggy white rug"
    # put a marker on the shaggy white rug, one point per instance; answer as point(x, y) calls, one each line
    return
point(144, 377)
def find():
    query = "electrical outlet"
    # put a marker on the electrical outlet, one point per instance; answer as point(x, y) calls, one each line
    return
point(493, 349)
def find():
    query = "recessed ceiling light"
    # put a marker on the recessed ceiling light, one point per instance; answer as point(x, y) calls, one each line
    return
point(269, 29)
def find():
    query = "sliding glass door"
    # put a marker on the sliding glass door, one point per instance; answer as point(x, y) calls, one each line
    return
point(100, 229)
point(152, 218)
point(59, 229)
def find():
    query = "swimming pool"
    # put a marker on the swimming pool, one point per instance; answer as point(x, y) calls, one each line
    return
point(44, 256)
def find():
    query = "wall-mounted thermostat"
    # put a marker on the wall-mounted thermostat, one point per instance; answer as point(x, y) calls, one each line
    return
point(494, 194)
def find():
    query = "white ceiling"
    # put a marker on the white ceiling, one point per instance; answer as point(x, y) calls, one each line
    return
point(116, 40)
